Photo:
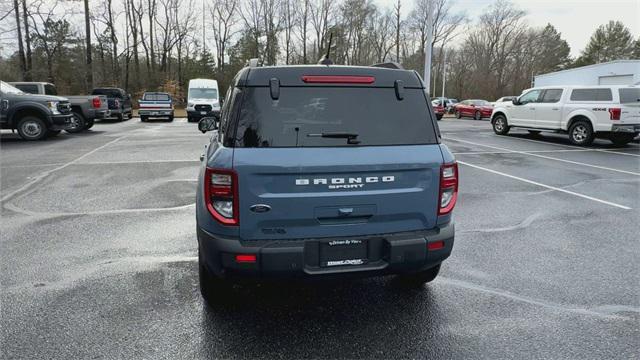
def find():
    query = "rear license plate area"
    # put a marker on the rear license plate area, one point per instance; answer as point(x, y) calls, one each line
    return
point(343, 252)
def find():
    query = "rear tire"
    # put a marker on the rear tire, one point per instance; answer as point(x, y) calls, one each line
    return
point(89, 124)
point(458, 115)
point(621, 139)
point(439, 117)
point(32, 128)
point(143, 119)
point(78, 123)
point(534, 132)
point(170, 118)
point(500, 125)
point(581, 133)
point(417, 280)
point(120, 117)
point(53, 133)
point(477, 115)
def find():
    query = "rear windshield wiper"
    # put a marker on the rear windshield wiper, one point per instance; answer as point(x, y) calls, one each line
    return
point(351, 137)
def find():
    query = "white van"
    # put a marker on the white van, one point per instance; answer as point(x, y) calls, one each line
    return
point(583, 112)
point(202, 99)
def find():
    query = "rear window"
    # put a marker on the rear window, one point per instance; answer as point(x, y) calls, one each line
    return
point(302, 115)
point(107, 92)
point(591, 95)
point(28, 88)
point(630, 95)
point(156, 97)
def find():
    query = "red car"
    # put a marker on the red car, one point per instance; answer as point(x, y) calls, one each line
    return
point(476, 109)
point(438, 109)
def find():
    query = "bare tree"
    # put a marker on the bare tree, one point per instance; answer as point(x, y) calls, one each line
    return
point(223, 19)
point(87, 34)
point(23, 64)
point(320, 12)
point(51, 32)
point(27, 38)
point(396, 8)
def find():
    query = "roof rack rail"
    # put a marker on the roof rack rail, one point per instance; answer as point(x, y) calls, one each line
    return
point(389, 65)
point(254, 62)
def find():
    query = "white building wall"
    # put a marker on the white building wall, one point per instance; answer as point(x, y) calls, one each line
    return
point(621, 72)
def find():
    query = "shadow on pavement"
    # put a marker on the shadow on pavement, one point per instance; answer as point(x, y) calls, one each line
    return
point(351, 319)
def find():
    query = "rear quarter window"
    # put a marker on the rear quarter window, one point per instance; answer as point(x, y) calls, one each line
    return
point(630, 96)
point(591, 95)
point(301, 113)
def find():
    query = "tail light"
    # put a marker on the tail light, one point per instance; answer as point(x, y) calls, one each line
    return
point(614, 113)
point(221, 195)
point(95, 102)
point(448, 188)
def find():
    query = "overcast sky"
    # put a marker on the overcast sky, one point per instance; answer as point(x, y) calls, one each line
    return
point(575, 19)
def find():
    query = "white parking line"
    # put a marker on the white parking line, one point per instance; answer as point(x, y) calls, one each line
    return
point(545, 157)
point(570, 146)
point(528, 151)
point(546, 186)
point(48, 172)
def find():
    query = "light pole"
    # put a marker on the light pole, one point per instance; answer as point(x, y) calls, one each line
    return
point(428, 49)
point(444, 70)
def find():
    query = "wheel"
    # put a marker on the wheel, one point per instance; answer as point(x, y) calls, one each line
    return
point(130, 115)
point(212, 288)
point(78, 123)
point(120, 117)
point(621, 139)
point(439, 117)
point(534, 132)
point(416, 280)
point(32, 128)
point(581, 133)
point(171, 118)
point(458, 115)
point(89, 124)
point(500, 125)
point(52, 133)
point(477, 115)
point(144, 118)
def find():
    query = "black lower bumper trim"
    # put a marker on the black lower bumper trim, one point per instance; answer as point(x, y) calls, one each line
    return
point(386, 254)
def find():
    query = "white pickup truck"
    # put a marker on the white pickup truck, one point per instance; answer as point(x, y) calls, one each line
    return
point(583, 112)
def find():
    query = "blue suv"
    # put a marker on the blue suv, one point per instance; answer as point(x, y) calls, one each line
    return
point(318, 171)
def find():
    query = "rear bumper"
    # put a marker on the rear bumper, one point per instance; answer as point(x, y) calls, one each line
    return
point(60, 122)
point(197, 115)
point(158, 113)
point(631, 128)
point(386, 254)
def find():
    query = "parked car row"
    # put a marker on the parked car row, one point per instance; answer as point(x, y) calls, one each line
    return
point(35, 110)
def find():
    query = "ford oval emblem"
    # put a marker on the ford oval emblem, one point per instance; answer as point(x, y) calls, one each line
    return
point(260, 208)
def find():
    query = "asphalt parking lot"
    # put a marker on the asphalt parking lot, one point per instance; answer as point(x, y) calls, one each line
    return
point(99, 258)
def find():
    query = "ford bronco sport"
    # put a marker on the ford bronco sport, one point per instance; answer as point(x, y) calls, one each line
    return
point(319, 171)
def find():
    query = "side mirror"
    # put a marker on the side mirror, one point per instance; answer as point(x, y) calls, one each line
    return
point(221, 101)
point(4, 105)
point(208, 123)
point(515, 101)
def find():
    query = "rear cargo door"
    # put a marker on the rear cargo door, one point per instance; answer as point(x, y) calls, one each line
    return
point(335, 161)
point(630, 103)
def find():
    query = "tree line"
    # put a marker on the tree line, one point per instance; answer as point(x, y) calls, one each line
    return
point(160, 44)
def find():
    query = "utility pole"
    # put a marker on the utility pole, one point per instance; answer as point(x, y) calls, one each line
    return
point(444, 70)
point(428, 49)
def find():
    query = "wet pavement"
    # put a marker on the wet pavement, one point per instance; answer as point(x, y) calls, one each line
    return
point(98, 254)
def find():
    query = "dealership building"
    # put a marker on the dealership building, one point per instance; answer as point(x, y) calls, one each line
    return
point(619, 72)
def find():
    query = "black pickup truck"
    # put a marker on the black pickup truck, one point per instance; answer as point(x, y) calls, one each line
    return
point(34, 116)
point(119, 101)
